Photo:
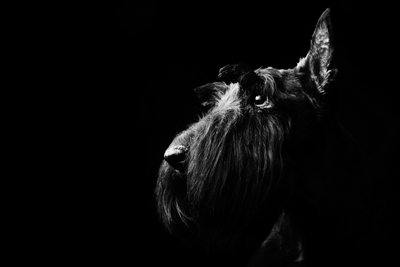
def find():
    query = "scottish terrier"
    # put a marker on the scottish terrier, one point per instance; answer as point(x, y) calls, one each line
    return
point(236, 179)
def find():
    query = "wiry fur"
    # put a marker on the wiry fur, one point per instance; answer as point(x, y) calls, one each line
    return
point(235, 178)
point(234, 164)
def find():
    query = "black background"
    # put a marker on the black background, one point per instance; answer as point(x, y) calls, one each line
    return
point(134, 68)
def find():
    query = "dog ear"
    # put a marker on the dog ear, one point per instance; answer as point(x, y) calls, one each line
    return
point(233, 73)
point(207, 93)
point(316, 65)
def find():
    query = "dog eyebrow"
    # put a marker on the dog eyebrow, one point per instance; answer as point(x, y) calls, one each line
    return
point(229, 100)
point(269, 80)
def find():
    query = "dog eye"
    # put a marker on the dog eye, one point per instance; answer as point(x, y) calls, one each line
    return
point(262, 101)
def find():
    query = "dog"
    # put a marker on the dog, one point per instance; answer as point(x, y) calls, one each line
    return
point(250, 177)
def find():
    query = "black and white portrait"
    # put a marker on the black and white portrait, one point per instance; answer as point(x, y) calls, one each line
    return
point(244, 134)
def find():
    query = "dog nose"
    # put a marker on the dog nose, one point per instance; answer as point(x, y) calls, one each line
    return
point(175, 156)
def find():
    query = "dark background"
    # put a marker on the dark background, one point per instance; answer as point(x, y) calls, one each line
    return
point(136, 65)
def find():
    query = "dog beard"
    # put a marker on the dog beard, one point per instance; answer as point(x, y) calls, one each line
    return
point(229, 193)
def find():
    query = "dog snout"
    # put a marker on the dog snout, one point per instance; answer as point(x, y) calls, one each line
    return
point(175, 156)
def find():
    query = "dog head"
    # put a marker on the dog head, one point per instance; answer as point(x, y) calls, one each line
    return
point(225, 179)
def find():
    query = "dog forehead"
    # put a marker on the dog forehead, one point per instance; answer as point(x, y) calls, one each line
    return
point(285, 79)
point(273, 80)
point(269, 73)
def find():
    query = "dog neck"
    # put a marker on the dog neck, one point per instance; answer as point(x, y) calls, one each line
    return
point(282, 247)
